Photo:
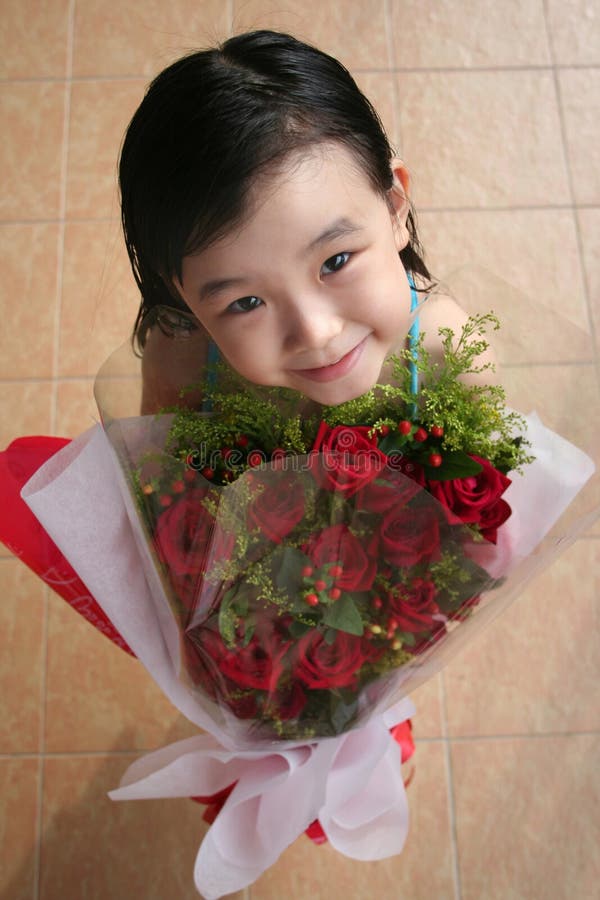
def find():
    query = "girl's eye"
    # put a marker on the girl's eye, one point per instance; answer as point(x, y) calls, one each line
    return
point(244, 305)
point(335, 263)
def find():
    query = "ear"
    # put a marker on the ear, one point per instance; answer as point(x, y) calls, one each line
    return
point(399, 203)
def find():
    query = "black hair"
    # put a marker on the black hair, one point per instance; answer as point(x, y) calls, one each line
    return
point(213, 121)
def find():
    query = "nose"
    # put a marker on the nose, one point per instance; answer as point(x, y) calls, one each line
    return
point(311, 323)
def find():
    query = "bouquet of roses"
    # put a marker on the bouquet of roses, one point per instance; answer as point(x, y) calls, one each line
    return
point(288, 574)
point(311, 561)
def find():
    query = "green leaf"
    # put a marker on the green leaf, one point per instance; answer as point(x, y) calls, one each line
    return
point(343, 710)
point(249, 626)
point(344, 616)
point(392, 443)
point(299, 629)
point(289, 562)
point(408, 639)
point(455, 464)
point(227, 616)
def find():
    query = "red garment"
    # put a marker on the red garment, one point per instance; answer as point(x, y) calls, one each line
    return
point(25, 537)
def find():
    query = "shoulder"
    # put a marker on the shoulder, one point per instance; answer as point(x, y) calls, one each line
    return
point(168, 365)
point(442, 311)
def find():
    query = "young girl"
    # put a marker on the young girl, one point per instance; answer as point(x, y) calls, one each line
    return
point(264, 212)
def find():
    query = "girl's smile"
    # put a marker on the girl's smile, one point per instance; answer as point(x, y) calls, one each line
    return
point(332, 371)
point(308, 292)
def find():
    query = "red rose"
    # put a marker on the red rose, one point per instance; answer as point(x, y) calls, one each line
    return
point(287, 703)
point(414, 607)
point(323, 665)
point(408, 467)
point(407, 537)
point(203, 651)
point(188, 543)
point(381, 494)
point(257, 665)
point(348, 459)
point(492, 518)
point(277, 509)
point(476, 499)
point(338, 544)
point(183, 534)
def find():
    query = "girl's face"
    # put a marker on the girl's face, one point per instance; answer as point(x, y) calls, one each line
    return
point(309, 291)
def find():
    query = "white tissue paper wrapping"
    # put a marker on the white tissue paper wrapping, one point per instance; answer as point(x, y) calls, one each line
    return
point(351, 783)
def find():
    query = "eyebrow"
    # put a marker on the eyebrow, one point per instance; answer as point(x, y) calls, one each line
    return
point(210, 289)
point(342, 227)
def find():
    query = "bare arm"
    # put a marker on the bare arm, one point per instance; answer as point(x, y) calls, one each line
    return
point(441, 311)
point(168, 365)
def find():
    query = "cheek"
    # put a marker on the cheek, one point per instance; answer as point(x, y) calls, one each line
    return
point(249, 358)
point(389, 294)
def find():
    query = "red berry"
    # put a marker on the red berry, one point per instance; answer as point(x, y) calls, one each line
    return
point(420, 435)
point(377, 602)
point(437, 431)
point(335, 593)
point(165, 500)
point(307, 571)
point(241, 440)
point(384, 429)
point(434, 460)
point(320, 585)
point(178, 487)
point(226, 453)
point(208, 472)
point(312, 599)
point(189, 475)
point(405, 427)
point(255, 458)
point(335, 571)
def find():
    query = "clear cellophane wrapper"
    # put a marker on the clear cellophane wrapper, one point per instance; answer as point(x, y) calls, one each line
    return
point(280, 611)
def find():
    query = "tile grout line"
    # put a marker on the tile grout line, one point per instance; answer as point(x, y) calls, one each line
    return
point(450, 788)
point(395, 139)
point(53, 412)
point(565, 147)
point(389, 34)
point(62, 209)
point(456, 739)
point(546, 207)
point(42, 748)
point(570, 181)
point(359, 70)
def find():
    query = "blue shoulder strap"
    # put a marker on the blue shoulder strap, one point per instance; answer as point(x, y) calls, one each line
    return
point(211, 373)
point(413, 336)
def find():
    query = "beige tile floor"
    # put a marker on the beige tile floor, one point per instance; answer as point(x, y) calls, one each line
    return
point(495, 109)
